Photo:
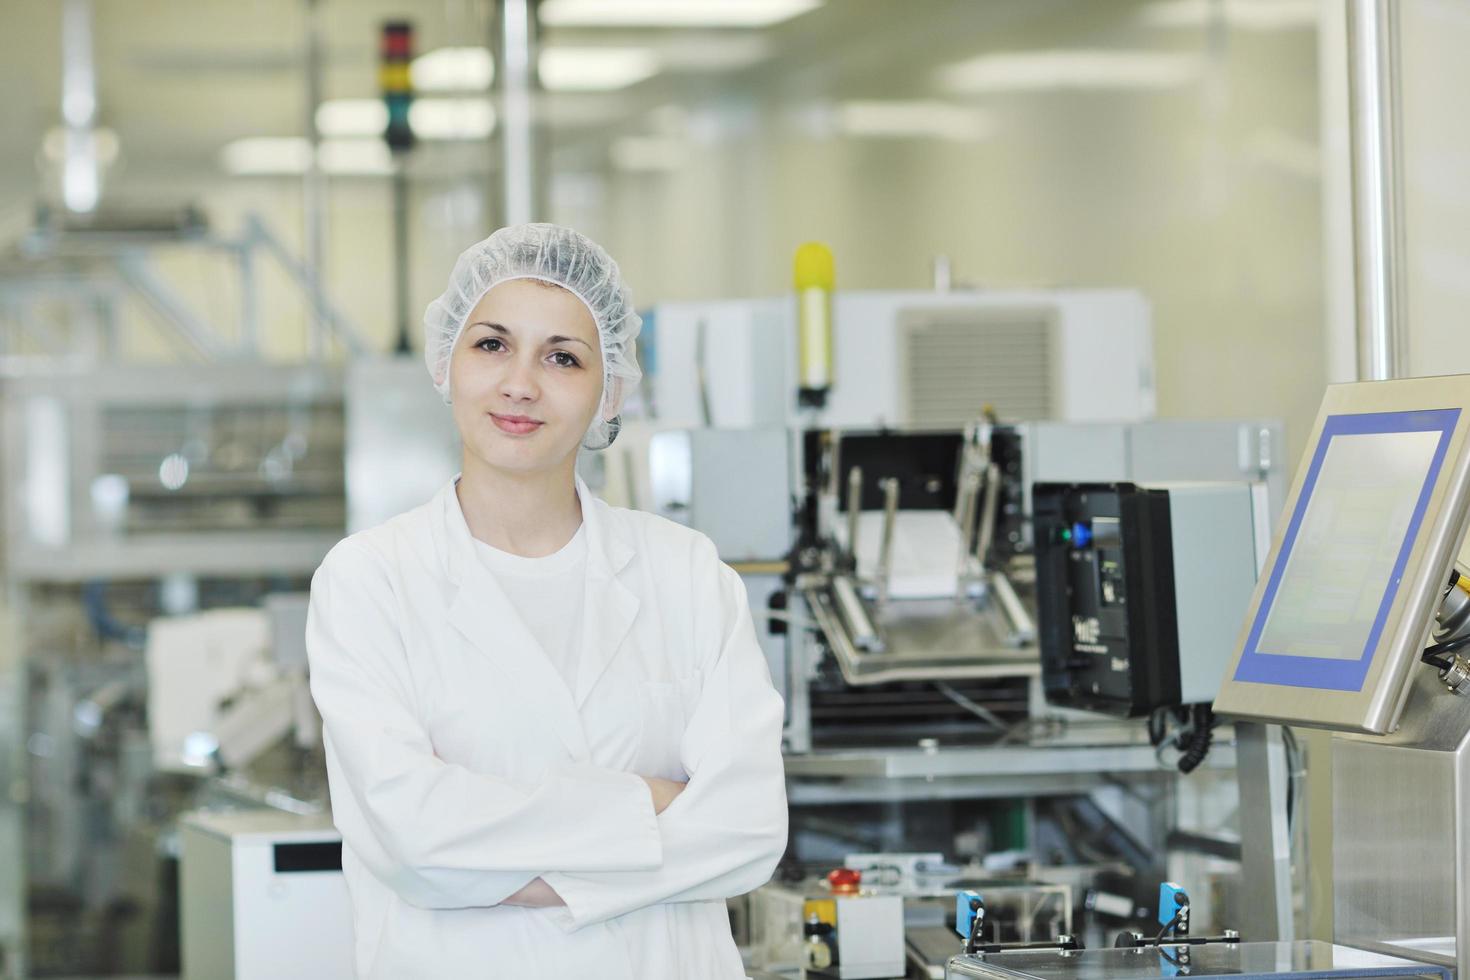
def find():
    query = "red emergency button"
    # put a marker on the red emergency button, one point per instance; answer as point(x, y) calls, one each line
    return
point(844, 880)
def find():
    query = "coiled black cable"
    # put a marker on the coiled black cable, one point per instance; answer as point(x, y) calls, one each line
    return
point(1194, 744)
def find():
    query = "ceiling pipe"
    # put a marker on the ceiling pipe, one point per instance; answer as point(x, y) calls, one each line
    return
point(81, 176)
point(517, 49)
point(1377, 157)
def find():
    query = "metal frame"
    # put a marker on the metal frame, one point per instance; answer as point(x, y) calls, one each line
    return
point(79, 397)
point(1376, 707)
point(119, 263)
point(1275, 667)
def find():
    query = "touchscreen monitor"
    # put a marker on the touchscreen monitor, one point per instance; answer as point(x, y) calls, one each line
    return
point(1345, 549)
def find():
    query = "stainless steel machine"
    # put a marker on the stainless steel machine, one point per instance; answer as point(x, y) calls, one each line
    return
point(915, 560)
point(1358, 626)
point(915, 359)
point(1343, 634)
point(1303, 960)
point(147, 509)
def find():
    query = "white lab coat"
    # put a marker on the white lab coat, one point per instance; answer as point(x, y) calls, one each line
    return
point(461, 766)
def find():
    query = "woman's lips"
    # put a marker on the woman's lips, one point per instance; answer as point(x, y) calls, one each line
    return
point(516, 425)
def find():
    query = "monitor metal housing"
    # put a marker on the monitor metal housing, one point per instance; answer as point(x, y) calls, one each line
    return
point(1366, 694)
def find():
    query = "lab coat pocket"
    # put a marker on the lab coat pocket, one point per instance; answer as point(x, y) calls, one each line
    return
point(661, 714)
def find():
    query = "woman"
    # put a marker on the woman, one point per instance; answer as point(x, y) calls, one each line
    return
point(552, 741)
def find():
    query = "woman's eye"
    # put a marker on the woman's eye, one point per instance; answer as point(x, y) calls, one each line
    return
point(490, 344)
point(562, 359)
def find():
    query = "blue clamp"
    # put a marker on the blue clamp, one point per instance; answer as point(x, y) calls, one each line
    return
point(1173, 908)
point(967, 906)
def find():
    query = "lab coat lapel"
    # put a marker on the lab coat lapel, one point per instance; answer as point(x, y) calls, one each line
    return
point(610, 606)
point(482, 613)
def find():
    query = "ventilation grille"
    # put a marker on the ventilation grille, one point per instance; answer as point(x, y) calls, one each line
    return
point(956, 361)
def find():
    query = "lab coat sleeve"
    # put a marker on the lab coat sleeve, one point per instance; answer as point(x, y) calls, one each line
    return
point(723, 835)
point(438, 834)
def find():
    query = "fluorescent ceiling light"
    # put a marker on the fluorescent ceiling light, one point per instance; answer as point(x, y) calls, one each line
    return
point(594, 69)
point(356, 158)
point(290, 155)
point(1038, 71)
point(1248, 15)
point(671, 13)
point(710, 53)
point(266, 155)
point(572, 110)
point(81, 184)
point(452, 119)
point(351, 117)
point(912, 119)
point(430, 119)
point(454, 70)
point(648, 153)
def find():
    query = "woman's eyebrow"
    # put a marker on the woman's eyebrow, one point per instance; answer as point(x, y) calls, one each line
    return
point(552, 340)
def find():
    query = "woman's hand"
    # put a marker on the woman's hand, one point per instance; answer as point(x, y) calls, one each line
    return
point(664, 791)
point(536, 895)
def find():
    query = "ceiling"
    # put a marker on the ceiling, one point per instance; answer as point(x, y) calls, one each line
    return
point(178, 81)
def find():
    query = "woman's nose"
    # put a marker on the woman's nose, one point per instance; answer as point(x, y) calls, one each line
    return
point(519, 383)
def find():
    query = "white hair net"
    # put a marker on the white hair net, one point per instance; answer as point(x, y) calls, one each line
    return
point(565, 258)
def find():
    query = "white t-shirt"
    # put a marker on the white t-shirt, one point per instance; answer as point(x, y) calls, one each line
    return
point(547, 593)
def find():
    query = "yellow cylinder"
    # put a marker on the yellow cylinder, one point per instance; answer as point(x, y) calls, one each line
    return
point(814, 277)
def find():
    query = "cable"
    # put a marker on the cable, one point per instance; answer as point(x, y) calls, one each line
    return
point(1438, 655)
point(1288, 742)
point(790, 619)
point(1159, 939)
point(1036, 913)
point(979, 711)
point(1195, 743)
point(1158, 726)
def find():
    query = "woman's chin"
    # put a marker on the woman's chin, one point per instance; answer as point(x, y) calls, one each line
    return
point(522, 456)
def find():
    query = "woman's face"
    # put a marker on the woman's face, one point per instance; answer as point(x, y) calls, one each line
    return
point(525, 377)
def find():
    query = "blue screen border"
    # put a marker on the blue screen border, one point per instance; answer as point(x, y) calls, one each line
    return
point(1323, 673)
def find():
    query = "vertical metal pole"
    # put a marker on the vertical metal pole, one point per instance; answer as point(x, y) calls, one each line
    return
point(314, 184)
point(1265, 853)
point(987, 515)
point(854, 509)
point(400, 249)
point(517, 71)
point(81, 180)
point(965, 500)
point(885, 545)
point(1378, 232)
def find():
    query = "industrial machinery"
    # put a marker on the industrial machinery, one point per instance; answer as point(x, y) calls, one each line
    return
point(911, 360)
point(1139, 590)
point(143, 472)
point(1340, 635)
point(144, 495)
point(1175, 950)
point(1303, 960)
point(165, 525)
point(1356, 627)
point(882, 914)
point(262, 897)
point(917, 556)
